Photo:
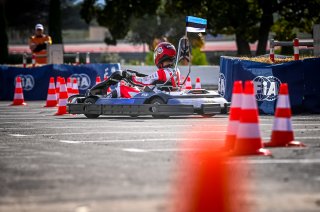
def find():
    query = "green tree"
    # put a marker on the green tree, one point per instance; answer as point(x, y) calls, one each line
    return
point(88, 10)
point(295, 16)
point(198, 57)
point(3, 34)
point(22, 15)
point(248, 20)
point(55, 30)
point(223, 18)
point(116, 15)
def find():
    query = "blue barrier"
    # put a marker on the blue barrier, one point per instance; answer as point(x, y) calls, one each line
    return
point(35, 81)
point(302, 77)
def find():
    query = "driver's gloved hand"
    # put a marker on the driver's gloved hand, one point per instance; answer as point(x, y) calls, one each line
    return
point(126, 74)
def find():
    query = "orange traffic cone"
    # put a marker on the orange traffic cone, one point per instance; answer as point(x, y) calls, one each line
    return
point(234, 117)
point(63, 96)
point(58, 86)
point(18, 98)
point(248, 141)
point(209, 182)
point(105, 79)
point(52, 99)
point(188, 83)
point(75, 89)
point(98, 80)
point(282, 133)
point(198, 83)
point(69, 86)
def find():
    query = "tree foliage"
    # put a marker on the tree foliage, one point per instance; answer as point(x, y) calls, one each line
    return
point(116, 15)
point(55, 30)
point(249, 20)
point(3, 34)
point(23, 14)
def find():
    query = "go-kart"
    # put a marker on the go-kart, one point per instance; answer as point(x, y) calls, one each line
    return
point(161, 101)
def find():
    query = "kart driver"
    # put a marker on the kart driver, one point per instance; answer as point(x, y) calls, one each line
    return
point(164, 59)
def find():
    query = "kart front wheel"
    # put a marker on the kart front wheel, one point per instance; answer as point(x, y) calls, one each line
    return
point(158, 101)
point(91, 101)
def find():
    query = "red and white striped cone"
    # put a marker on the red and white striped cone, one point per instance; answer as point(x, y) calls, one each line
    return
point(33, 60)
point(58, 86)
point(75, 89)
point(24, 60)
point(98, 80)
point(188, 83)
point(105, 79)
point(282, 133)
point(198, 83)
point(52, 99)
point(77, 58)
point(234, 117)
point(69, 86)
point(18, 98)
point(63, 98)
point(271, 55)
point(88, 58)
point(248, 141)
point(296, 49)
point(183, 86)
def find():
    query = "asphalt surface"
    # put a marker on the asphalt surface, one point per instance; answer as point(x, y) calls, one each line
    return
point(71, 163)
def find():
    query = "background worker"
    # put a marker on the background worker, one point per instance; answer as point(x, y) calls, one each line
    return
point(38, 43)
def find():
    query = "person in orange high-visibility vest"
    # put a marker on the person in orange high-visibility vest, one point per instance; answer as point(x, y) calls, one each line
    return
point(38, 43)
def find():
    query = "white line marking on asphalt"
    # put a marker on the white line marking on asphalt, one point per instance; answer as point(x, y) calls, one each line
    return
point(158, 150)
point(249, 161)
point(114, 132)
point(281, 161)
point(70, 142)
point(139, 140)
point(104, 127)
point(127, 127)
point(18, 135)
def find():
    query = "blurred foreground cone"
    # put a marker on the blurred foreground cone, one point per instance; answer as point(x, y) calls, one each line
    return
point(75, 89)
point(18, 98)
point(98, 80)
point(69, 86)
point(188, 83)
point(105, 79)
point(63, 96)
point(198, 83)
point(52, 99)
point(248, 141)
point(234, 117)
point(282, 133)
point(209, 182)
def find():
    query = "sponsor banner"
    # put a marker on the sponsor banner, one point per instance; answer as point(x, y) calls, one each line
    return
point(35, 81)
point(302, 77)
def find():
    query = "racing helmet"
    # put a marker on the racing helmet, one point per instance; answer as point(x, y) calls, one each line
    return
point(164, 51)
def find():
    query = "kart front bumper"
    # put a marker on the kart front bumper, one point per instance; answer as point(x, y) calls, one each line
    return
point(144, 109)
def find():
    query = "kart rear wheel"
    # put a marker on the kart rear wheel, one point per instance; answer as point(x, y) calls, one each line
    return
point(91, 101)
point(158, 101)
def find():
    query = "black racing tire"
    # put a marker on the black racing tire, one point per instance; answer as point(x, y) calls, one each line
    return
point(158, 101)
point(91, 101)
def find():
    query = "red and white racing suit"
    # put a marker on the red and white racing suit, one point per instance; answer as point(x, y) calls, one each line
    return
point(158, 77)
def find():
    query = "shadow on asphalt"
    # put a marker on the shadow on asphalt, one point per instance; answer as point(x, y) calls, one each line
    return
point(144, 118)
